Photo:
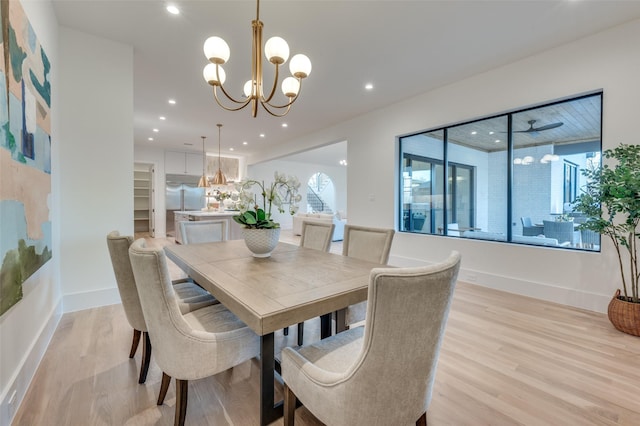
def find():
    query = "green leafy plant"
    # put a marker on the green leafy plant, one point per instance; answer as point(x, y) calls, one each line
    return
point(282, 191)
point(611, 202)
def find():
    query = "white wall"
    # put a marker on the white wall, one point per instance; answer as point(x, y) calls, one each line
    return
point(96, 163)
point(26, 329)
point(608, 60)
point(303, 171)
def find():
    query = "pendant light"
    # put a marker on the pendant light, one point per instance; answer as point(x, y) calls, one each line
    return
point(219, 178)
point(203, 182)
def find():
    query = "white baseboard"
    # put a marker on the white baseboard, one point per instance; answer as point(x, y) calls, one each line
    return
point(10, 401)
point(552, 293)
point(90, 299)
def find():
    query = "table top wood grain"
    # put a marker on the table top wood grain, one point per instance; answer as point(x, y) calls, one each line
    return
point(291, 286)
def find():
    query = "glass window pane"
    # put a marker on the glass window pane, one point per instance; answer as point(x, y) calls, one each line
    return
point(422, 183)
point(477, 155)
point(551, 145)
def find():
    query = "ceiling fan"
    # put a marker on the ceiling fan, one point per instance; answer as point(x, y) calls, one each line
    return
point(532, 129)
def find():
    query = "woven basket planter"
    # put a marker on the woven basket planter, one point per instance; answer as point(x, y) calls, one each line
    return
point(625, 316)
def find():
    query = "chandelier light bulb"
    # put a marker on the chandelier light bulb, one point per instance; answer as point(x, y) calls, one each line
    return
point(248, 88)
point(211, 75)
point(290, 87)
point(276, 50)
point(300, 66)
point(216, 50)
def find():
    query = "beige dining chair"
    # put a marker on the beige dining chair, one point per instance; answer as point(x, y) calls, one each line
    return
point(317, 236)
point(365, 243)
point(190, 296)
point(374, 375)
point(187, 346)
point(203, 231)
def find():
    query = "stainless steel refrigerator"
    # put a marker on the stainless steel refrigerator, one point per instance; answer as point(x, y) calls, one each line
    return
point(181, 194)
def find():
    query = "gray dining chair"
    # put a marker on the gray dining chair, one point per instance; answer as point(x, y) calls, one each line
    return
point(564, 232)
point(364, 243)
point(589, 239)
point(341, 379)
point(203, 231)
point(189, 295)
point(317, 236)
point(529, 229)
point(188, 346)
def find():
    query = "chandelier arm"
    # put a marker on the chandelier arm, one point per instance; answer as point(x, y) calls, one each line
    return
point(266, 107)
point(215, 95)
point(273, 88)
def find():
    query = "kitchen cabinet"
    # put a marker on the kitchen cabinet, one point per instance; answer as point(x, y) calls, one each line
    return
point(234, 229)
point(183, 163)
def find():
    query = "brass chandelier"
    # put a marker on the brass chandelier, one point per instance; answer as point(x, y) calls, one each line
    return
point(276, 50)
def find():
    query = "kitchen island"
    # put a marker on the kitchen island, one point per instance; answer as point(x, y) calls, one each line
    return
point(234, 229)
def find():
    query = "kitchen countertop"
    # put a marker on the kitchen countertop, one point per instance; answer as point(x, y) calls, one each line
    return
point(213, 213)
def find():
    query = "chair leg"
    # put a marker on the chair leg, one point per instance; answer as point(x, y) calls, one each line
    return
point(300, 333)
point(182, 394)
point(422, 421)
point(285, 331)
point(289, 406)
point(146, 357)
point(134, 344)
point(164, 387)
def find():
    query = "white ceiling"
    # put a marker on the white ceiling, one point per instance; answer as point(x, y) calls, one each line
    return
point(403, 47)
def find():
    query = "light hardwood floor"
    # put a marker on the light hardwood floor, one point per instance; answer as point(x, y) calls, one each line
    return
point(505, 360)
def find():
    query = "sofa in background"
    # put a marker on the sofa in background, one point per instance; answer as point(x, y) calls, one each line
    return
point(338, 233)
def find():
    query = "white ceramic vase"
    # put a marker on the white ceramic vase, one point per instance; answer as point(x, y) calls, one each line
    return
point(261, 242)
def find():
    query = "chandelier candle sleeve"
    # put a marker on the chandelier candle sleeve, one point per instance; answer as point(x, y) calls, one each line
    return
point(276, 50)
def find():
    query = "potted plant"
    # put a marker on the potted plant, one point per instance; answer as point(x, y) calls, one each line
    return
point(611, 202)
point(260, 231)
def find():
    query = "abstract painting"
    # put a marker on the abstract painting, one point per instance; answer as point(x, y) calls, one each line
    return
point(25, 154)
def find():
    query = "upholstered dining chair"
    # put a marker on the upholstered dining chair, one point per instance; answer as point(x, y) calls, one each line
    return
point(341, 379)
point(189, 295)
point(317, 236)
point(370, 244)
point(187, 346)
point(203, 231)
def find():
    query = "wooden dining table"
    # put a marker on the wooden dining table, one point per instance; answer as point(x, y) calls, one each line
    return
point(294, 284)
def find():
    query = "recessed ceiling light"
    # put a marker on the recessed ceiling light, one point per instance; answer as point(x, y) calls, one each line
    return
point(156, 130)
point(230, 149)
point(474, 133)
point(491, 133)
point(172, 101)
point(285, 125)
point(262, 135)
point(343, 162)
point(497, 141)
point(162, 117)
point(368, 86)
point(245, 143)
point(150, 139)
point(173, 10)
